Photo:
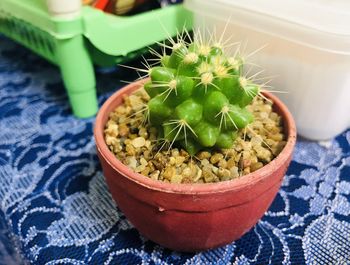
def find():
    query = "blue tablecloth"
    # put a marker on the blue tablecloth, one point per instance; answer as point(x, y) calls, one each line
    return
point(57, 208)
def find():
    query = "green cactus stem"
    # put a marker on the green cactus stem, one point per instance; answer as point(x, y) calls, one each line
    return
point(199, 96)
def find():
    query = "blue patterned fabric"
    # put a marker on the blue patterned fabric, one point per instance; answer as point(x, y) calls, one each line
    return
point(57, 208)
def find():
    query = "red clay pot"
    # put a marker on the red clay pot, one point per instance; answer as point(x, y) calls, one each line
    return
point(192, 217)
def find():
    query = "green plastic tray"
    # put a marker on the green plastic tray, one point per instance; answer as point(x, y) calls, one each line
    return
point(91, 37)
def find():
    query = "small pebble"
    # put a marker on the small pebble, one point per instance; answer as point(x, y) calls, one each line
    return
point(143, 132)
point(231, 163)
point(215, 170)
point(224, 174)
point(146, 171)
point(256, 166)
point(187, 172)
point(198, 175)
point(112, 130)
point(179, 160)
point(205, 162)
point(203, 155)
point(176, 179)
point(234, 172)
point(172, 161)
point(138, 142)
point(131, 162)
point(155, 175)
point(143, 161)
point(216, 158)
point(123, 130)
point(208, 175)
point(169, 173)
point(222, 163)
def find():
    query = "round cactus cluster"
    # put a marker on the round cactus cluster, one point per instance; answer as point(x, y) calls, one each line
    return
point(198, 96)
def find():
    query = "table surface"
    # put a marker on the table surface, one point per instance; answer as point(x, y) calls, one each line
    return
point(56, 207)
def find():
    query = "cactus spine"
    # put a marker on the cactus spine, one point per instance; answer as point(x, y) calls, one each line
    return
point(198, 96)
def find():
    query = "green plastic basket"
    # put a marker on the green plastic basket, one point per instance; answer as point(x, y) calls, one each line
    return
point(91, 37)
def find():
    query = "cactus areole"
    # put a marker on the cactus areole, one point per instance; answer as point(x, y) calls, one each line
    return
point(198, 97)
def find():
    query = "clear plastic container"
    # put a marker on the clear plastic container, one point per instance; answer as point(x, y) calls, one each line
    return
point(307, 50)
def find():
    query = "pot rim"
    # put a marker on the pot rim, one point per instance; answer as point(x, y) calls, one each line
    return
point(199, 188)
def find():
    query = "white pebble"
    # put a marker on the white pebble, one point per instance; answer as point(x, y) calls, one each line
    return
point(138, 142)
point(131, 162)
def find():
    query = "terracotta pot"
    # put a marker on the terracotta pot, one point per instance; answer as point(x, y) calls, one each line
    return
point(192, 217)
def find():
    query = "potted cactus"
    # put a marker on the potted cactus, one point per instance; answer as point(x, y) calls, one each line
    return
point(195, 103)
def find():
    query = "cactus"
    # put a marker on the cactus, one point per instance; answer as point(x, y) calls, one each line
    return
point(198, 96)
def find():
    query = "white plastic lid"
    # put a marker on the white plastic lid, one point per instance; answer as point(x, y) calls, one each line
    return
point(322, 24)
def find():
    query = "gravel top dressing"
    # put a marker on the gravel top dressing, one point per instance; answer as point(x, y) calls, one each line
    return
point(136, 145)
